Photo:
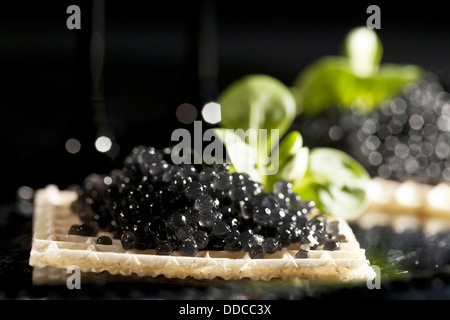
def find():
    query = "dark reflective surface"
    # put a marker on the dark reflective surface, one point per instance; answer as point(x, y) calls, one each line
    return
point(160, 56)
point(410, 265)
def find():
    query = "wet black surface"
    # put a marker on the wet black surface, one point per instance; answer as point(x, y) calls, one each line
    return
point(151, 67)
point(409, 265)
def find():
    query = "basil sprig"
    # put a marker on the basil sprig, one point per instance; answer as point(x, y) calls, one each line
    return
point(332, 179)
point(356, 79)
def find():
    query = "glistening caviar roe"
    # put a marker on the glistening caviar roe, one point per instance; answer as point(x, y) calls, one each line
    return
point(152, 203)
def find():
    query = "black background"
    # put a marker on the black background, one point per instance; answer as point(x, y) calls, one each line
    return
point(151, 66)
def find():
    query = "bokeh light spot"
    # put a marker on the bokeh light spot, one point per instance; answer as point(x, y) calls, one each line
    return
point(73, 146)
point(186, 113)
point(211, 113)
point(103, 144)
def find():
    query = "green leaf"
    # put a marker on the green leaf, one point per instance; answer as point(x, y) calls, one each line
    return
point(364, 50)
point(295, 168)
point(330, 81)
point(354, 80)
point(335, 182)
point(368, 93)
point(336, 200)
point(314, 88)
point(241, 156)
point(289, 161)
point(257, 102)
point(335, 164)
point(287, 148)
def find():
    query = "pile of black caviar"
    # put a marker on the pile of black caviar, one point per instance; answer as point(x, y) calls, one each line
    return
point(152, 203)
point(407, 137)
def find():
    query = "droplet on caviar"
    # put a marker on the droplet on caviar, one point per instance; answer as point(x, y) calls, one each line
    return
point(105, 240)
point(301, 254)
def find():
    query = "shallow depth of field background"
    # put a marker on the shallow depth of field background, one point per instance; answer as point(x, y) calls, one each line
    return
point(156, 59)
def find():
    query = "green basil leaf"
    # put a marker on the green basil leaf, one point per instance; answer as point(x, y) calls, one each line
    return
point(314, 89)
point(335, 199)
point(364, 50)
point(331, 81)
point(336, 182)
point(289, 160)
point(295, 168)
point(336, 165)
point(287, 148)
point(368, 93)
point(240, 155)
point(257, 102)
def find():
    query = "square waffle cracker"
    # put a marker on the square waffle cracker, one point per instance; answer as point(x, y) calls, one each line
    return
point(407, 205)
point(54, 250)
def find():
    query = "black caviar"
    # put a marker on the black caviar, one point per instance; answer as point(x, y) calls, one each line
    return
point(105, 240)
point(405, 137)
point(152, 203)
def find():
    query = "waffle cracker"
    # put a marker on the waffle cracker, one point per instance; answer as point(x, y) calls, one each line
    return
point(53, 248)
point(407, 205)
